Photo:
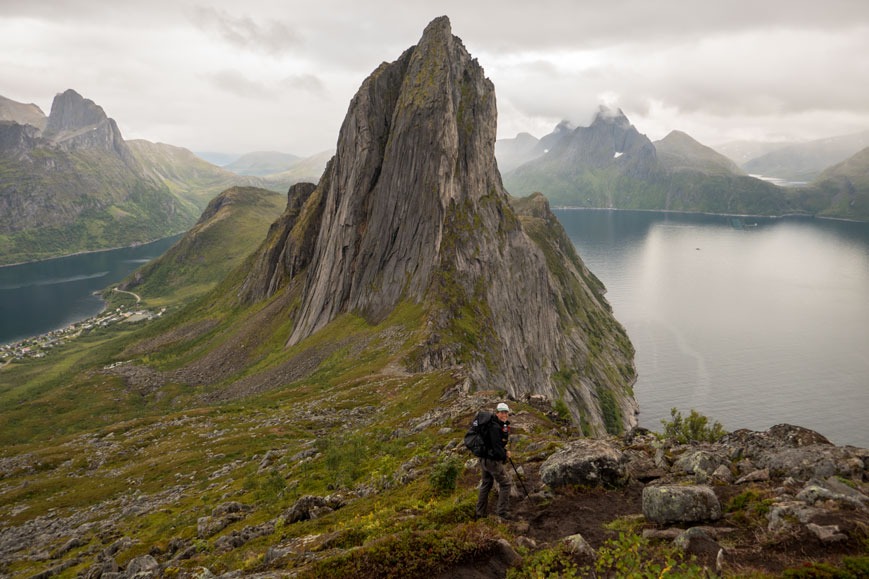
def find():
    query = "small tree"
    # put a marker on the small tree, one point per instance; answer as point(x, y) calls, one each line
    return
point(695, 428)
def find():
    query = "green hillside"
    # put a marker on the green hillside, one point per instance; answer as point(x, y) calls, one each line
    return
point(841, 191)
point(231, 227)
point(81, 201)
point(186, 175)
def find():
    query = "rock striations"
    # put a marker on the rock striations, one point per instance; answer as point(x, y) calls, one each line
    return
point(412, 209)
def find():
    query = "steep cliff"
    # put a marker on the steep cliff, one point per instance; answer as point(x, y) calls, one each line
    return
point(412, 209)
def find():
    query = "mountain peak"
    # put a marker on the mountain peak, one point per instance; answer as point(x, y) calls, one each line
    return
point(411, 210)
point(608, 115)
point(70, 112)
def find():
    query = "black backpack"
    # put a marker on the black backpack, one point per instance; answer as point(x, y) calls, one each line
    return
point(476, 439)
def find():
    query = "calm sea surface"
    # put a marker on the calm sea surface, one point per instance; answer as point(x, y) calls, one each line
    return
point(752, 327)
point(47, 295)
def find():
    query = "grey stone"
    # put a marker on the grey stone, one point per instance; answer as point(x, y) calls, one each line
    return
point(666, 504)
point(589, 462)
point(827, 533)
point(696, 541)
point(143, 567)
point(723, 474)
point(577, 545)
point(761, 475)
point(507, 553)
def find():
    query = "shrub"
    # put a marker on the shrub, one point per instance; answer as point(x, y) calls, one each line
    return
point(444, 475)
point(562, 410)
point(695, 428)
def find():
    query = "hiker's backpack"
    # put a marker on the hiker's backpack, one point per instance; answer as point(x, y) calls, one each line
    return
point(475, 439)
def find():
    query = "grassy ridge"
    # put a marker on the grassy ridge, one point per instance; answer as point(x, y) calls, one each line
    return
point(211, 249)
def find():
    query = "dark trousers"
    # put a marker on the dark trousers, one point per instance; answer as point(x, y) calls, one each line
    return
point(494, 471)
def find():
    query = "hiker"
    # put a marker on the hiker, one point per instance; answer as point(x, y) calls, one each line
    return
point(495, 437)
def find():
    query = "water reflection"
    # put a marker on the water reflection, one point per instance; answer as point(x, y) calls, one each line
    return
point(753, 327)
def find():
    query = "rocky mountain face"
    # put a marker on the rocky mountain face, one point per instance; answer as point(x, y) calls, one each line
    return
point(411, 209)
point(77, 185)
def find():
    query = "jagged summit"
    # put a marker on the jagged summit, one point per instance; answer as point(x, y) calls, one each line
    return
point(607, 115)
point(412, 209)
point(70, 112)
point(77, 123)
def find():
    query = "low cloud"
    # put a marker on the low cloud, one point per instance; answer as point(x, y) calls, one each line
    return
point(273, 38)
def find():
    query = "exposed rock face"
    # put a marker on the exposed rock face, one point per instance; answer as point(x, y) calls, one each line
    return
point(79, 123)
point(280, 258)
point(412, 209)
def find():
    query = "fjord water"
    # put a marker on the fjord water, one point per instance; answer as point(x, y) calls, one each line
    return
point(46, 295)
point(752, 327)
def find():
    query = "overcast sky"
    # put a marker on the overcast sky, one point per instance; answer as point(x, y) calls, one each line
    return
point(235, 77)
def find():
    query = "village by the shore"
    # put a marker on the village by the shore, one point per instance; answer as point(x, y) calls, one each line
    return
point(42, 345)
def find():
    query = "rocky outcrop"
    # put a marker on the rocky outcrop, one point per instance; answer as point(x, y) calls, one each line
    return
point(412, 209)
point(280, 257)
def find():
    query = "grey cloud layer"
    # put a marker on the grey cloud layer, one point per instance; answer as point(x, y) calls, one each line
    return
point(290, 68)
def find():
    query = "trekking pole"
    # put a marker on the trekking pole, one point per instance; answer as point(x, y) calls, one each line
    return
point(519, 477)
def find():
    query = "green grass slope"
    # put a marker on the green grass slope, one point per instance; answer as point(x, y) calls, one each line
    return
point(231, 227)
point(81, 201)
point(842, 191)
point(186, 175)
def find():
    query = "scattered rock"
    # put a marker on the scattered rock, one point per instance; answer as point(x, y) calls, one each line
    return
point(827, 533)
point(506, 553)
point(143, 567)
point(696, 541)
point(666, 504)
point(761, 475)
point(577, 545)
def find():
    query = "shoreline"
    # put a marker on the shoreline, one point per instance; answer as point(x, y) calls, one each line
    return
point(92, 251)
point(784, 216)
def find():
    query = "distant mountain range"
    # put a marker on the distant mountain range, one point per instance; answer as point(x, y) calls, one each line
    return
point(263, 163)
point(610, 164)
point(69, 182)
point(806, 161)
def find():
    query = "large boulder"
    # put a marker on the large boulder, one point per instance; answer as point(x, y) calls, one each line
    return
point(587, 462)
point(667, 504)
point(793, 451)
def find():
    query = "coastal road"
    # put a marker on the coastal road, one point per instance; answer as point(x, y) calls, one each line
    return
point(138, 299)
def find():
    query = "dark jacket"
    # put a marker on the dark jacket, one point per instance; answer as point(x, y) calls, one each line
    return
point(496, 439)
